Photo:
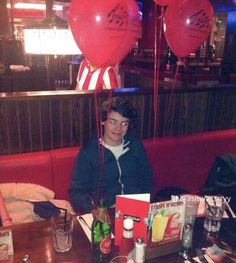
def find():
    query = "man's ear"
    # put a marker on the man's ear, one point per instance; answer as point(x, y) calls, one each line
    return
point(102, 122)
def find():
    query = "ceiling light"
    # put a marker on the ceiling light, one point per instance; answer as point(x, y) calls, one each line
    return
point(53, 41)
point(52, 36)
point(35, 6)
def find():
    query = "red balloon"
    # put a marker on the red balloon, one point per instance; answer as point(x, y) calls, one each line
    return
point(133, 32)
point(187, 25)
point(164, 2)
point(105, 31)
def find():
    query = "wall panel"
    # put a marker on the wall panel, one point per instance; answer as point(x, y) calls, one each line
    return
point(39, 121)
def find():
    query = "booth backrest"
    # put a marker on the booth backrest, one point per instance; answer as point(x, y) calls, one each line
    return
point(182, 161)
point(62, 163)
point(27, 168)
point(51, 169)
point(185, 161)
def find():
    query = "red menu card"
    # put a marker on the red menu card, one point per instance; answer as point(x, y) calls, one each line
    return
point(134, 206)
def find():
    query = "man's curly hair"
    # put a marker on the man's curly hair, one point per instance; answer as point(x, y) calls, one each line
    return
point(121, 106)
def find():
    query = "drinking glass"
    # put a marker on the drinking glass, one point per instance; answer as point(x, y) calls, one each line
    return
point(214, 210)
point(62, 226)
point(192, 204)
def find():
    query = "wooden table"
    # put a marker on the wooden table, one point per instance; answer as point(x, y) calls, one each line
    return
point(35, 239)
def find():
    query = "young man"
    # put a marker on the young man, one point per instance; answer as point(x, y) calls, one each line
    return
point(115, 164)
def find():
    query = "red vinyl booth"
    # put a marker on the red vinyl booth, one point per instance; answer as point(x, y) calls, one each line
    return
point(181, 161)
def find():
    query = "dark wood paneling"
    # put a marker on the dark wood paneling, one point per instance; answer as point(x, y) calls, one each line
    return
point(38, 121)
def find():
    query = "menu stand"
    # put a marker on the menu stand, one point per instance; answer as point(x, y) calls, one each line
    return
point(163, 249)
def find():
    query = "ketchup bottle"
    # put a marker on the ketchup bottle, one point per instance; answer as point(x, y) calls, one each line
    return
point(127, 241)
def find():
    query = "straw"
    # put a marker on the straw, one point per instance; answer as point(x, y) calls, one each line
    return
point(150, 225)
point(212, 211)
point(214, 200)
point(65, 216)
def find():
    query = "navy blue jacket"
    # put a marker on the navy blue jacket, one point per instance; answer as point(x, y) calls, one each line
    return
point(130, 174)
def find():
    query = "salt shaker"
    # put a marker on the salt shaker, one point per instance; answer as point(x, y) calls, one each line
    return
point(187, 239)
point(139, 250)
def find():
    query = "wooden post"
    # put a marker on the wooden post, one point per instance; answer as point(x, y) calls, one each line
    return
point(4, 23)
point(12, 20)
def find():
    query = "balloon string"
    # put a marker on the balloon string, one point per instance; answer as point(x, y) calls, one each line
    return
point(100, 146)
point(100, 158)
point(157, 49)
point(170, 103)
point(99, 129)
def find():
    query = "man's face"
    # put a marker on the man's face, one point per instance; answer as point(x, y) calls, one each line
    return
point(115, 128)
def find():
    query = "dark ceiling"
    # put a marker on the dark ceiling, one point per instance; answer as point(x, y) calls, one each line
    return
point(223, 5)
point(219, 5)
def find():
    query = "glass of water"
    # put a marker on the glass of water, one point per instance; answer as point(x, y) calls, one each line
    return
point(62, 227)
point(214, 210)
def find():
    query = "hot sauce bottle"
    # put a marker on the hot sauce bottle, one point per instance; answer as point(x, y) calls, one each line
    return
point(101, 235)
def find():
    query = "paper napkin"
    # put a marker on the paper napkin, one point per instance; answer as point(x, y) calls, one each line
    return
point(86, 223)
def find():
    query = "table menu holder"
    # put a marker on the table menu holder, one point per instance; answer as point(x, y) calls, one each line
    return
point(164, 249)
point(160, 224)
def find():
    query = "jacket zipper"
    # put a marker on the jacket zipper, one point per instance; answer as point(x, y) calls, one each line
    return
point(122, 186)
point(120, 172)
